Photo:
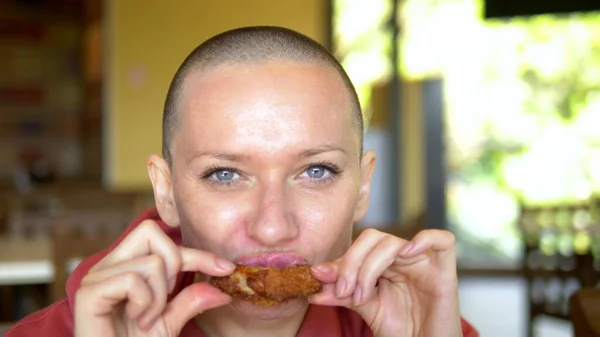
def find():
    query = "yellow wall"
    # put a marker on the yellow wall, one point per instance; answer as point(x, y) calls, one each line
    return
point(145, 42)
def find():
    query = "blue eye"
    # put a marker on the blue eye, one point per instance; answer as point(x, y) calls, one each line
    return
point(321, 172)
point(221, 176)
point(316, 172)
point(224, 175)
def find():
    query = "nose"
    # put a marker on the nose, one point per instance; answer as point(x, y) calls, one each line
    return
point(273, 224)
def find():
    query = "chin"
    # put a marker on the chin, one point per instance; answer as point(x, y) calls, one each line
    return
point(287, 309)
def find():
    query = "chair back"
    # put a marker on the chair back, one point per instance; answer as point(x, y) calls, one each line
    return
point(584, 310)
point(74, 240)
point(559, 256)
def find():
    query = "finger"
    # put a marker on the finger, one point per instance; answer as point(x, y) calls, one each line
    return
point(146, 239)
point(151, 268)
point(407, 261)
point(393, 276)
point(149, 239)
point(205, 262)
point(190, 302)
point(95, 304)
point(326, 272)
point(379, 259)
point(353, 259)
point(327, 296)
point(439, 241)
point(145, 266)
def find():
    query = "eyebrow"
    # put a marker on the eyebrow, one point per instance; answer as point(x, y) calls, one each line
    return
point(221, 155)
point(234, 157)
point(321, 149)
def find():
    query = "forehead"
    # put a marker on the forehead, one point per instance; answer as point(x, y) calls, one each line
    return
point(277, 105)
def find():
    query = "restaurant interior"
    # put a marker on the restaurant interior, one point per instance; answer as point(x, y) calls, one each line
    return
point(485, 116)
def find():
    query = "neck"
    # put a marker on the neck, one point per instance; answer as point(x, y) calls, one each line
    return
point(228, 322)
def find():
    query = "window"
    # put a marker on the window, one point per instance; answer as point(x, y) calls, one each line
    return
point(522, 101)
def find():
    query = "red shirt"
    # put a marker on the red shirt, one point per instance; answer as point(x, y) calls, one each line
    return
point(57, 319)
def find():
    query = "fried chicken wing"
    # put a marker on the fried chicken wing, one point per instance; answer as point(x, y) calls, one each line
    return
point(268, 286)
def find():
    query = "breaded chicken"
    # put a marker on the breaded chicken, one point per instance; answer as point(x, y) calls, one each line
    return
point(268, 286)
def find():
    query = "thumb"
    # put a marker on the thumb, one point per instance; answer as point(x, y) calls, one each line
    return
point(190, 302)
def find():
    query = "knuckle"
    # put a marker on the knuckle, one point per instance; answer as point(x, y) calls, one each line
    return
point(426, 234)
point(390, 240)
point(147, 226)
point(444, 233)
point(155, 262)
point(176, 263)
point(173, 254)
point(171, 259)
point(140, 301)
point(371, 231)
point(131, 279)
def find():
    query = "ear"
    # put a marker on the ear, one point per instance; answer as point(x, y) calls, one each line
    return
point(367, 166)
point(160, 175)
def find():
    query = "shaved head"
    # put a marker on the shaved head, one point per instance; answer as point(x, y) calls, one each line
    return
point(252, 45)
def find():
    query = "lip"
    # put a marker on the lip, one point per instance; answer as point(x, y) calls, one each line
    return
point(277, 260)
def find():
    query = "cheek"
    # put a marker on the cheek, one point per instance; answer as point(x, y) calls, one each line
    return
point(325, 221)
point(210, 221)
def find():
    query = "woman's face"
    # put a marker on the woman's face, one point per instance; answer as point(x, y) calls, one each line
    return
point(266, 164)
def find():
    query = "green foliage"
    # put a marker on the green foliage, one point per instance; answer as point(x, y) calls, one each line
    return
point(518, 92)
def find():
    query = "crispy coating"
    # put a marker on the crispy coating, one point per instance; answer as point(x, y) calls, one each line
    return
point(267, 286)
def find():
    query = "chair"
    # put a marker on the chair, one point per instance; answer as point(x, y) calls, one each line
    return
point(553, 270)
point(584, 308)
point(72, 241)
point(80, 222)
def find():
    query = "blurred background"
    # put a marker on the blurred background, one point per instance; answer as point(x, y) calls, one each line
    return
point(485, 115)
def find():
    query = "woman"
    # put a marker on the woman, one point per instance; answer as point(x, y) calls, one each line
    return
point(262, 165)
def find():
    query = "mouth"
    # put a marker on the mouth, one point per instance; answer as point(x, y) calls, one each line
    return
point(273, 260)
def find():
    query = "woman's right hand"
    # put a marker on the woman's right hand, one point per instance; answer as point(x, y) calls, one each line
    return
point(125, 294)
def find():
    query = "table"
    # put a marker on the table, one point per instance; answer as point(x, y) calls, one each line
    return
point(25, 261)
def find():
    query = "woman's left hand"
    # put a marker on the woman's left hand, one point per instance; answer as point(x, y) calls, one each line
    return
point(400, 288)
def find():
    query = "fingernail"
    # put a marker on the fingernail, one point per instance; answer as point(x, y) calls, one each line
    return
point(357, 295)
point(321, 268)
point(407, 248)
point(224, 264)
point(340, 287)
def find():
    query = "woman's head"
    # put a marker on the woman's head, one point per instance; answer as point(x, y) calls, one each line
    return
point(263, 155)
point(246, 45)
